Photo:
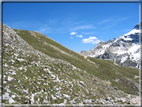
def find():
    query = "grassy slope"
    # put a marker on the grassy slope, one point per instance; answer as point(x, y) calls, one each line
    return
point(35, 82)
point(106, 70)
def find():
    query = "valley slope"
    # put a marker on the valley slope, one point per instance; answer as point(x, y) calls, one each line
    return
point(38, 70)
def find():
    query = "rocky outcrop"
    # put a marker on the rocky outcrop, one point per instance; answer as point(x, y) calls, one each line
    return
point(124, 50)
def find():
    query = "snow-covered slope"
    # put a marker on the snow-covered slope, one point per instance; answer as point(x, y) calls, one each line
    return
point(124, 50)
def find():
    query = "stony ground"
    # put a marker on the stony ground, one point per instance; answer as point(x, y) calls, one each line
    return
point(32, 77)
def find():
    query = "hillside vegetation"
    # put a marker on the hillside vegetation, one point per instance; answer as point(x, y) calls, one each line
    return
point(38, 70)
point(104, 69)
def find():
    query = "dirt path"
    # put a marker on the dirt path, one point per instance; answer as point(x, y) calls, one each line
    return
point(85, 57)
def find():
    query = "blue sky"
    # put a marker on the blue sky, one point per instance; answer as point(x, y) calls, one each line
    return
point(77, 26)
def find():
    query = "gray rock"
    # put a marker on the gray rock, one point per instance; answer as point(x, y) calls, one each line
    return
point(20, 59)
point(45, 77)
point(107, 98)
point(115, 88)
point(82, 83)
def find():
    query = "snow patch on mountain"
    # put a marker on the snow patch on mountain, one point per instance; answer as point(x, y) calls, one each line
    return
point(134, 31)
point(125, 49)
point(124, 59)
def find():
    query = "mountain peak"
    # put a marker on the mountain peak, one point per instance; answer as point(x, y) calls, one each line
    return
point(124, 49)
point(137, 26)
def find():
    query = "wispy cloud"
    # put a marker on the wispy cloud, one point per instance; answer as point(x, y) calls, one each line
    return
point(45, 29)
point(19, 24)
point(71, 37)
point(72, 21)
point(83, 27)
point(113, 22)
point(67, 21)
point(80, 36)
point(53, 21)
point(123, 18)
point(88, 33)
point(103, 21)
point(91, 39)
point(72, 33)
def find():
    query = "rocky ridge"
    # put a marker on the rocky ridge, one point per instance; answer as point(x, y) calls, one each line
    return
point(32, 77)
point(124, 50)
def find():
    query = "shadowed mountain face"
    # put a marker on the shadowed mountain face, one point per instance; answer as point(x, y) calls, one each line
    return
point(124, 50)
point(38, 70)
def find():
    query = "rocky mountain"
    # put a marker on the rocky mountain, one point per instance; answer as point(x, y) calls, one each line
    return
point(38, 70)
point(124, 50)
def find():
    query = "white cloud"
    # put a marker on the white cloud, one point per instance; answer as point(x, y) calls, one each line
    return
point(80, 36)
point(96, 41)
point(72, 33)
point(91, 39)
point(71, 37)
point(83, 27)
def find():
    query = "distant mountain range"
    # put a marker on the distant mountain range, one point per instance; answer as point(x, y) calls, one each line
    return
point(38, 70)
point(124, 50)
